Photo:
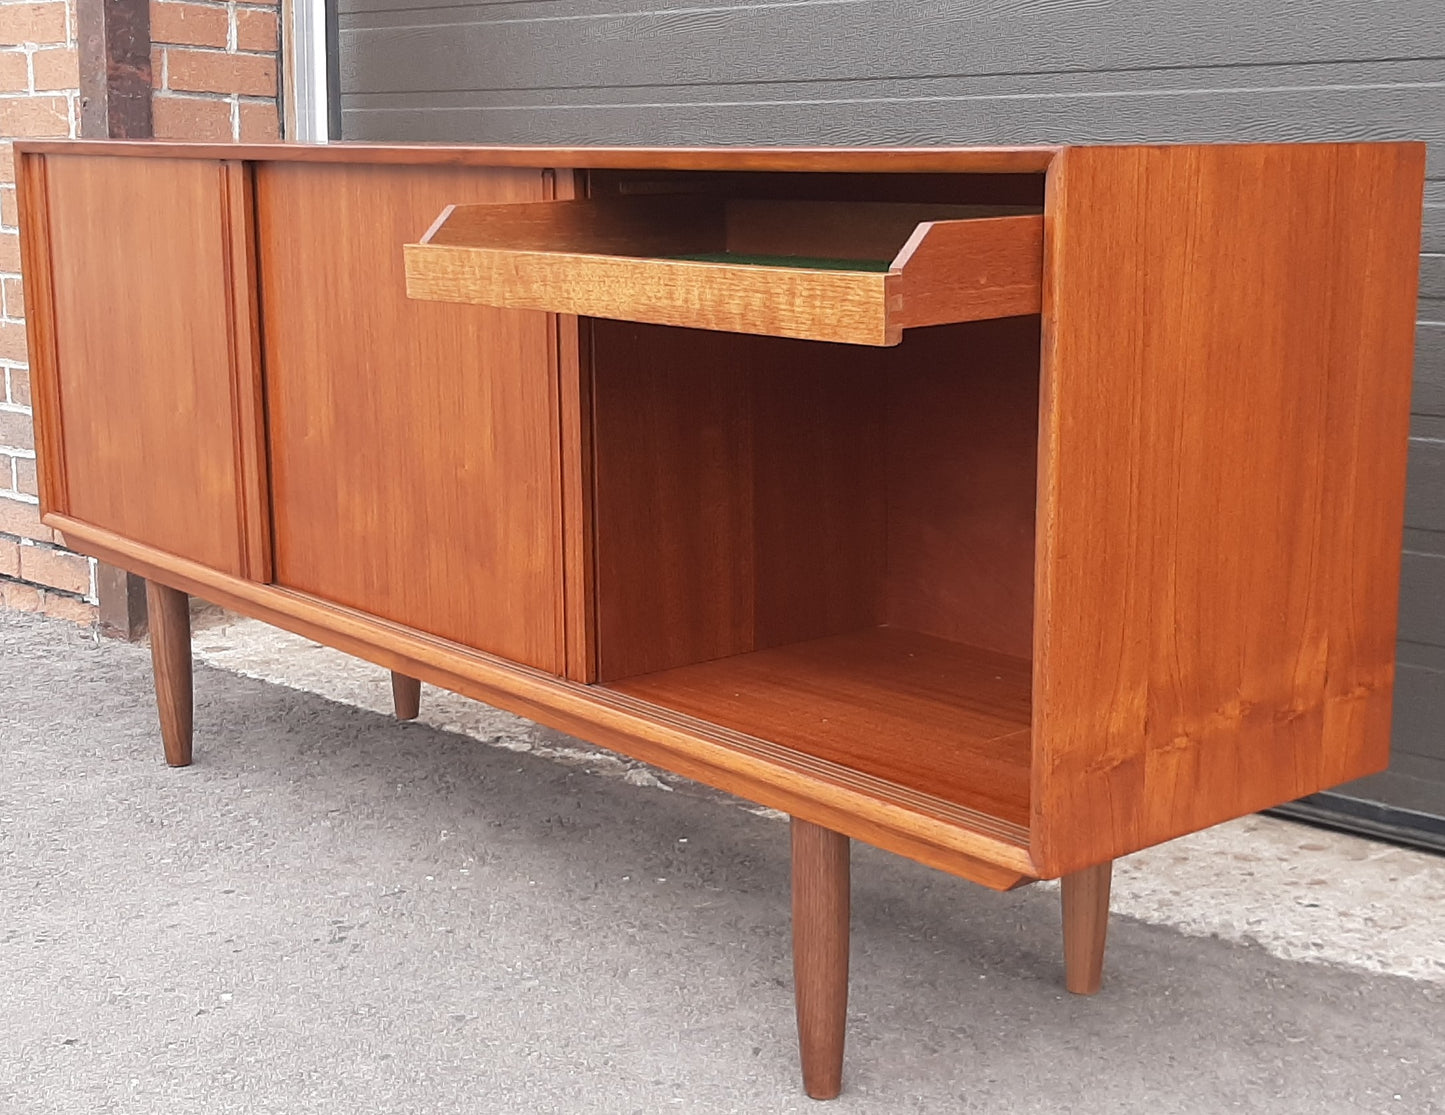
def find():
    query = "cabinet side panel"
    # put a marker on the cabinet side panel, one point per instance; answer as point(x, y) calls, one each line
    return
point(140, 276)
point(1227, 347)
point(962, 450)
point(413, 444)
point(33, 202)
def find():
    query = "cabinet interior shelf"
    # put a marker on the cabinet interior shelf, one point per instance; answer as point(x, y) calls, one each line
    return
point(928, 714)
point(809, 545)
point(853, 272)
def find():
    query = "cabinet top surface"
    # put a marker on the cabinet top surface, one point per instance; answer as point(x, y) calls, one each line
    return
point(981, 160)
point(855, 160)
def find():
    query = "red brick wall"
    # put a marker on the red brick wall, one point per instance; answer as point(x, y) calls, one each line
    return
point(39, 88)
point(215, 77)
point(214, 69)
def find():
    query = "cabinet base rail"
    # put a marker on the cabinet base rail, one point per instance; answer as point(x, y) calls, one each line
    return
point(820, 869)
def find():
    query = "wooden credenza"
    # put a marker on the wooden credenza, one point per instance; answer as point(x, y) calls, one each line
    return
point(1008, 509)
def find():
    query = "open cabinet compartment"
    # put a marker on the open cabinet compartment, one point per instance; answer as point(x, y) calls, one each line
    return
point(828, 548)
point(857, 272)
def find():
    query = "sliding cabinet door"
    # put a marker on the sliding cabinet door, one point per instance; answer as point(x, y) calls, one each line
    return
point(413, 444)
point(147, 386)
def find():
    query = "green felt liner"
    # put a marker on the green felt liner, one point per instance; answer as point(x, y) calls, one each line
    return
point(808, 262)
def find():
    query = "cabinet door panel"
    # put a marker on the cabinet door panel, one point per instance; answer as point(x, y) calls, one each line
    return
point(147, 371)
point(413, 444)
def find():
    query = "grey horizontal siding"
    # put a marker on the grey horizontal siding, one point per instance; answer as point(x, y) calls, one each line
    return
point(1422, 597)
point(1336, 102)
point(497, 46)
point(1417, 762)
point(1434, 238)
point(1420, 707)
point(1429, 396)
point(1418, 791)
point(1432, 276)
point(1425, 500)
point(853, 72)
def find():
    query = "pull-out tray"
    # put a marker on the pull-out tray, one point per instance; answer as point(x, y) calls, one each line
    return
point(856, 272)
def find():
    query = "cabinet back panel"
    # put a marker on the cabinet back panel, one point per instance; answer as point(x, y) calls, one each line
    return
point(952, 189)
point(141, 272)
point(738, 499)
point(413, 444)
point(753, 492)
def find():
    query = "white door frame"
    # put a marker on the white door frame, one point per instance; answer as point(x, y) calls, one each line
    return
point(306, 99)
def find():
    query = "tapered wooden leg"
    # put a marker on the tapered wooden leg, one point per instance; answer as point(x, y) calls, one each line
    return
point(406, 696)
point(1086, 924)
point(170, 625)
point(820, 954)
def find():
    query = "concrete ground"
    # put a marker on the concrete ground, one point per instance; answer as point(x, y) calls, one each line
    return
point(334, 912)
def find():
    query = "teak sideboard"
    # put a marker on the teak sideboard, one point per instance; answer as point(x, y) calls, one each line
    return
point(1011, 509)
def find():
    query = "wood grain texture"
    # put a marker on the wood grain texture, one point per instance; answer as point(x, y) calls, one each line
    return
point(405, 696)
point(579, 553)
point(674, 497)
point(247, 387)
point(970, 270)
point(738, 494)
point(33, 202)
point(113, 45)
point(615, 226)
point(693, 216)
point(846, 306)
point(120, 596)
point(147, 372)
point(573, 357)
point(414, 446)
point(921, 826)
point(921, 712)
point(960, 463)
point(113, 52)
point(1226, 389)
point(854, 159)
point(591, 257)
point(752, 492)
point(821, 908)
point(817, 514)
point(170, 623)
point(1084, 901)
